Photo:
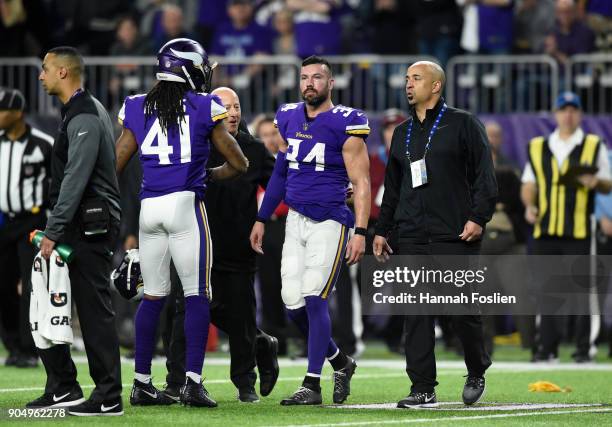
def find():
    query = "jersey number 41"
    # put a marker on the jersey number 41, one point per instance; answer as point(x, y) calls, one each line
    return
point(163, 149)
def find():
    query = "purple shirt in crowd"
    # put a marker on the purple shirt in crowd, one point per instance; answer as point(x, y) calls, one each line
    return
point(317, 33)
point(229, 41)
point(495, 28)
point(602, 7)
point(580, 39)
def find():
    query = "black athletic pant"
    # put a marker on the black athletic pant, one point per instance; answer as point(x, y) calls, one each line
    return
point(552, 327)
point(16, 257)
point(90, 287)
point(419, 329)
point(233, 311)
point(274, 319)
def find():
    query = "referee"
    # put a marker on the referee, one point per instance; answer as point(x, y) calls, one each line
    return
point(25, 157)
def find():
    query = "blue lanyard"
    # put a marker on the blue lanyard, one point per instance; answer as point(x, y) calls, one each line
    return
point(431, 133)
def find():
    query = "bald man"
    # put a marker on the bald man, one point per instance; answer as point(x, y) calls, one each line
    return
point(231, 206)
point(440, 191)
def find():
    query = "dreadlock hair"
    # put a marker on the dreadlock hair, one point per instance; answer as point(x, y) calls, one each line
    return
point(166, 101)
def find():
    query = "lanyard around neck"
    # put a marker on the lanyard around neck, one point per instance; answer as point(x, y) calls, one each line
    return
point(431, 133)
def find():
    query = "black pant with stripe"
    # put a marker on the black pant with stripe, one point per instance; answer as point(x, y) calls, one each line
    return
point(16, 257)
point(419, 329)
point(90, 286)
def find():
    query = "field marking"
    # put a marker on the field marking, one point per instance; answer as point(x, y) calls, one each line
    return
point(484, 406)
point(218, 381)
point(400, 364)
point(445, 419)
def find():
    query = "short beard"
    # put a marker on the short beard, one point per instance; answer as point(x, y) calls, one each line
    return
point(316, 100)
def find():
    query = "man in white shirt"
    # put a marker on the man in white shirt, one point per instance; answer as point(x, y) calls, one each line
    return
point(561, 213)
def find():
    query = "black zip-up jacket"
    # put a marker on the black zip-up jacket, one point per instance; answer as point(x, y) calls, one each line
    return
point(231, 206)
point(82, 163)
point(461, 179)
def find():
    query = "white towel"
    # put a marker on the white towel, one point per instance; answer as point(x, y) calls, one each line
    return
point(50, 305)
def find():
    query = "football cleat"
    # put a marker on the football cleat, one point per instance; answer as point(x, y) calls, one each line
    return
point(342, 381)
point(195, 394)
point(145, 394)
point(303, 396)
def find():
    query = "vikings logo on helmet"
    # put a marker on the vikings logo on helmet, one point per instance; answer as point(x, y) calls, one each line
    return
point(185, 60)
point(127, 278)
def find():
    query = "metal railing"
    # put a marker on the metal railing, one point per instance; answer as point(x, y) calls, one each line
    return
point(502, 83)
point(482, 84)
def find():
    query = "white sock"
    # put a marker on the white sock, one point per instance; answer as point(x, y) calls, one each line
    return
point(195, 377)
point(143, 378)
point(335, 355)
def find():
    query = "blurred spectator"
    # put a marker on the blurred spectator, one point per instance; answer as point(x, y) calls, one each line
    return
point(534, 20)
point(284, 43)
point(496, 140)
point(90, 25)
point(570, 36)
point(24, 23)
point(598, 14)
point(172, 26)
point(266, 10)
point(211, 13)
point(386, 24)
point(438, 27)
point(266, 131)
point(317, 26)
point(129, 41)
point(487, 26)
point(241, 37)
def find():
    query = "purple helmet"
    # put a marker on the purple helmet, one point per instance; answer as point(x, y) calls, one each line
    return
point(185, 61)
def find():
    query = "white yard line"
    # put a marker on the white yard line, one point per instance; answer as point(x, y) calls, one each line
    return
point(485, 406)
point(453, 419)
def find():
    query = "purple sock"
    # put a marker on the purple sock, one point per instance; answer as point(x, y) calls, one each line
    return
point(147, 318)
point(197, 319)
point(300, 318)
point(319, 326)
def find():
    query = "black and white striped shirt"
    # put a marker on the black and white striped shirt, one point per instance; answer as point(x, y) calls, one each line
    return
point(25, 172)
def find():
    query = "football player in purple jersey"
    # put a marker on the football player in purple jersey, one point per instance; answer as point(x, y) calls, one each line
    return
point(324, 152)
point(171, 127)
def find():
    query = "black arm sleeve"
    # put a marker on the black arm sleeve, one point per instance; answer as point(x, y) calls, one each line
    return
point(481, 172)
point(393, 182)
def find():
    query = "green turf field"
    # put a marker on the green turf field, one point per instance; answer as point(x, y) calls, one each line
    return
point(379, 379)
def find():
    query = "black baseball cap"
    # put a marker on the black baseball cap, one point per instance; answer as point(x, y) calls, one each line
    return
point(11, 99)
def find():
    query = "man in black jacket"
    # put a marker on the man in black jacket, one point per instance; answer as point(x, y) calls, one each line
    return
point(85, 214)
point(231, 207)
point(440, 191)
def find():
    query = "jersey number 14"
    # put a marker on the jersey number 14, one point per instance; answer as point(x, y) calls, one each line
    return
point(162, 149)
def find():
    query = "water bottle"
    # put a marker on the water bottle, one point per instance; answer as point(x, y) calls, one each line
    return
point(65, 252)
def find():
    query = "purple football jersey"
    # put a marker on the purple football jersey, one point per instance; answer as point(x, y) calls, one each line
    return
point(175, 161)
point(317, 180)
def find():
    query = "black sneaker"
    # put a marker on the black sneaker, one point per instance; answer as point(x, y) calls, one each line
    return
point(248, 395)
point(267, 362)
point(173, 391)
point(195, 394)
point(89, 408)
point(58, 400)
point(419, 400)
point(342, 381)
point(473, 390)
point(303, 396)
point(145, 394)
